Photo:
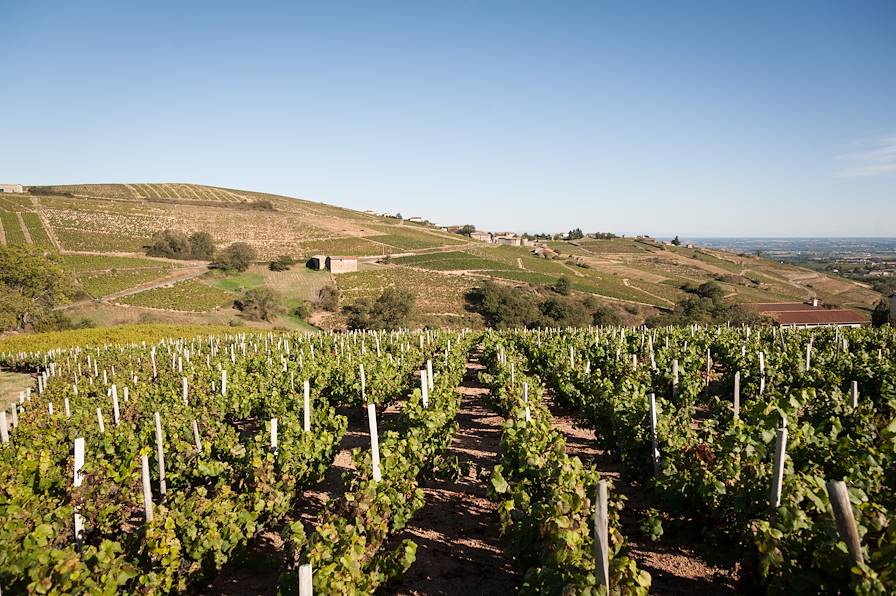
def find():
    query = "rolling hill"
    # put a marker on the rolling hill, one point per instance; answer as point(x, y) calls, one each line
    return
point(101, 230)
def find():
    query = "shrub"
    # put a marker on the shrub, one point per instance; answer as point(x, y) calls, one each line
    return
point(328, 298)
point(562, 286)
point(170, 244)
point(282, 263)
point(259, 304)
point(302, 310)
point(202, 246)
point(32, 284)
point(237, 257)
point(392, 310)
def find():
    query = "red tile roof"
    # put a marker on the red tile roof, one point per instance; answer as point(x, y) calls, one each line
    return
point(797, 313)
point(819, 317)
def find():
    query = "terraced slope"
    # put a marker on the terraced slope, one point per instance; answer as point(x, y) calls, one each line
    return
point(98, 221)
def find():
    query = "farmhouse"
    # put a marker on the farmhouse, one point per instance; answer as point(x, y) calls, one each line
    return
point(342, 264)
point(798, 314)
point(416, 219)
point(481, 236)
point(507, 239)
point(12, 188)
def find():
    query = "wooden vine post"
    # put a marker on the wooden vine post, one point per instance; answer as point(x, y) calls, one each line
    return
point(4, 433)
point(778, 474)
point(675, 378)
point(602, 536)
point(196, 437)
point(653, 438)
point(274, 437)
point(855, 394)
point(305, 576)
point(160, 450)
point(76, 482)
point(424, 388)
point(147, 489)
point(845, 520)
point(306, 409)
point(737, 395)
point(526, 402)
point(374, 434)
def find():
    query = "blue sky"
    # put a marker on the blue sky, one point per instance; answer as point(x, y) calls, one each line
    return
point(691, 118)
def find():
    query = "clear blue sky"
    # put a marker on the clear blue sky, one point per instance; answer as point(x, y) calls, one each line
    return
point(692, 118)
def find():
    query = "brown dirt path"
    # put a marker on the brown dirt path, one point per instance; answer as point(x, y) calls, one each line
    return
point(459, 549)
point(678, 565)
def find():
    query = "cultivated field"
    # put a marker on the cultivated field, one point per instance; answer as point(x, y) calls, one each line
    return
point(761, 457)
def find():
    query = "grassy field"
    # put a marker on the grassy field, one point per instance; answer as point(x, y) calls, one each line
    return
point(190, 296)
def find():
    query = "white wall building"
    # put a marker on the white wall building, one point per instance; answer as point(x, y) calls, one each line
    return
point(12, 188)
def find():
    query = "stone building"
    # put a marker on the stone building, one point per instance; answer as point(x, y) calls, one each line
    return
point(342, 264)
point(317, 262)
point(12, 188)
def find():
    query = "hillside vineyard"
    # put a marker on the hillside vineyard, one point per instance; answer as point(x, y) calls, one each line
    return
point(150, 468)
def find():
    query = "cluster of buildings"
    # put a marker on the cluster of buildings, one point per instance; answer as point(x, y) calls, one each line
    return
point(14, 188)
point(333, 264)
point(501, 238)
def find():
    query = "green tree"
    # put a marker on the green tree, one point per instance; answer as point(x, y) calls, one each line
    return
point(328, 298)
point(236, 257)
point(575, 234)
point(202, 246)
point(562, 286)
point(504, 306)
point(32, 284)
point(391, 310)
point(468, 229)
point(259, 304)
point(282, 263)
point(676, 241)
point(170, 244)
point(881, 313)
